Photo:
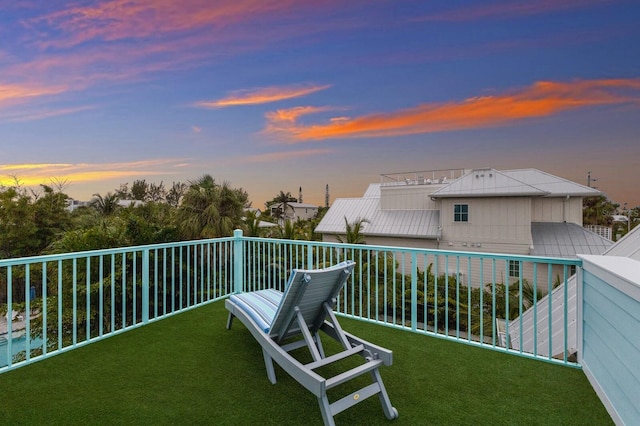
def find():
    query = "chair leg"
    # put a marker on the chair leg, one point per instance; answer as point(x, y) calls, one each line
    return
point(229, 321)
point(268, 363)
point(318, 342)
point(325, 409)
point(390, 411)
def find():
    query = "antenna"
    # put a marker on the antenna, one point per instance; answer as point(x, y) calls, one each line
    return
point(590, 179)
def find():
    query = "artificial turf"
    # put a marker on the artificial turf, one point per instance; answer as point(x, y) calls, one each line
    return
point(188, 369)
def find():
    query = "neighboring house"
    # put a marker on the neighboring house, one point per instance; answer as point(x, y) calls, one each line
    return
point(628, 246)
point(522, 212)
point(74, 204)
point(293, 211)
point(129, 203)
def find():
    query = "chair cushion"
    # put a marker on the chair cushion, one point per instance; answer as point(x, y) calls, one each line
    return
point(260, 305)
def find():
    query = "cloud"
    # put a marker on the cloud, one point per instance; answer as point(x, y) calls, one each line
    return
point(542, 99)
point(262, 96)
point(507, 10)
point(10, 93)
point(139, 19)
point(24, 116)
point(43, 173)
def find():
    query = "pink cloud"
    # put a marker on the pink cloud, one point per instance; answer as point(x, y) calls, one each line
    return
point(262, 96)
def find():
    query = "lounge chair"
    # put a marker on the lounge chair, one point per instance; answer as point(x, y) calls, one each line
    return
point(277, 320)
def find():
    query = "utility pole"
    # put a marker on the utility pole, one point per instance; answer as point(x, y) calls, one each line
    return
point(326, 196)
point(628, 218)
point(590, 179)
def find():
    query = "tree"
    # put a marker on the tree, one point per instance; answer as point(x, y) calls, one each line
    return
point(282, 203)
point(175, 194)
point(106, 205)
point(353, 232)
point(139, 190)
point(210, 210)
point(252, 223)
point(598, 211)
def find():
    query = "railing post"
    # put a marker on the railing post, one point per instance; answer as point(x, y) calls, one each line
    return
point(414, 291)
point(238, 261)
point(145, 286)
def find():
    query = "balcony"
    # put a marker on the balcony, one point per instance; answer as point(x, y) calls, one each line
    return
point(183, 366)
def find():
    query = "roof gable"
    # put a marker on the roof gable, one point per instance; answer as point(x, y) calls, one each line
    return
point(553, 185)
point(487, 183)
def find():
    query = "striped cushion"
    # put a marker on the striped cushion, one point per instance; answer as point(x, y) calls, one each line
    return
point(260, 305)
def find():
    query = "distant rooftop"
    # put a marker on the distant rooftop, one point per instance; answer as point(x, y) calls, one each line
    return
point(426, 177)
point(483, 182)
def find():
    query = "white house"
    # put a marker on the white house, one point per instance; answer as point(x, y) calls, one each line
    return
point(294, 211)
point(521, 212)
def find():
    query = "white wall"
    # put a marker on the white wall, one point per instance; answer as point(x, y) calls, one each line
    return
point(505, 221)
point(408, 197)
point(559, 209)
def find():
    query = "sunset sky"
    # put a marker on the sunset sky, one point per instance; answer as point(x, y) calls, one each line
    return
point(271, 95)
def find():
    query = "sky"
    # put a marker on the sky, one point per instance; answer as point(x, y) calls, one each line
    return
point(274, 95)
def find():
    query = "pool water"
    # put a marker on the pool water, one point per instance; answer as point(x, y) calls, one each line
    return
point(18, 344)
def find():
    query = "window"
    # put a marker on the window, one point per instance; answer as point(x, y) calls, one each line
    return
point(461, 213)
point(514, 269)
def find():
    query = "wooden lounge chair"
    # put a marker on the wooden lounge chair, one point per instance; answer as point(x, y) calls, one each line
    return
point(282, 322)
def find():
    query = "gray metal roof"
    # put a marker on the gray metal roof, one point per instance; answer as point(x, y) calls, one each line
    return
point(554, 185)
point(565, 240)
point(627, 246)
point(398, 223)
point(509, 183)
point(487, 183)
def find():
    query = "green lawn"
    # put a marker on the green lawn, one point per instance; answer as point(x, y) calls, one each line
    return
point(188, 369)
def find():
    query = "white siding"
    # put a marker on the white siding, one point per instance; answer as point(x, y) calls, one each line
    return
point(557, 209)
point(408, 197)
point(504, 221)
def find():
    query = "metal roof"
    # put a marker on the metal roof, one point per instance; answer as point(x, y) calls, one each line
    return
point(391, 223)
point(554, 185)
point(487, 183)
point(510, 183)
point(627, 246)
point(565, 240)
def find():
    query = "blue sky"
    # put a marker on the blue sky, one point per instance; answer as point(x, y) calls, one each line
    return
point(273, 95)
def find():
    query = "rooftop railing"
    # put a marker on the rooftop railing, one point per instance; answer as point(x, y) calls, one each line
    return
point(426, 177)
point(55, 303)
point(543, 308)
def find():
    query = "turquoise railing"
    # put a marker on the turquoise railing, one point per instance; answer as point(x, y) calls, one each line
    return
point(59, 302)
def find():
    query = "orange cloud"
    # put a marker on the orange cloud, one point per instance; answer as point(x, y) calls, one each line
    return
point(16, 92)
point(262, 96)
point(539, 100)
point(43, 173)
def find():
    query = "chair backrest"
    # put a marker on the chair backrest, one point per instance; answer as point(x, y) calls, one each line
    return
point(308, 290)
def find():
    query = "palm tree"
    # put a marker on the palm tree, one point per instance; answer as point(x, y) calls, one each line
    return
point(353, 232)
point(210, 210)
point(106, 205)
point(598, 211)
point(282, 201)
point(252, 224)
